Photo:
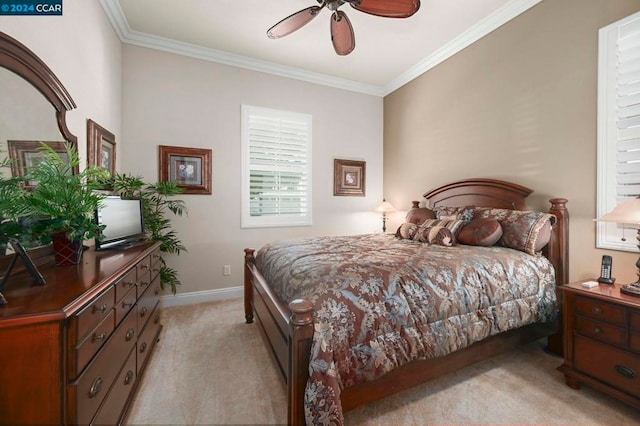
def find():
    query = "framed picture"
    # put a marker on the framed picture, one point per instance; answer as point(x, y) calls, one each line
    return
point(189, 167)
point(101, 147)
point(27, 154)
point(349, 178)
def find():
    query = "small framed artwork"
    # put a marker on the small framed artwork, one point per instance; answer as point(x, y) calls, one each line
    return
point(26, 154)
point(101, 147)
point(189, 167)
point(349, 178)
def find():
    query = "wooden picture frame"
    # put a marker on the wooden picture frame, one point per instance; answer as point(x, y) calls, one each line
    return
point(101, 147)
point(25, 154)
point(189, 167)
point(349, 178)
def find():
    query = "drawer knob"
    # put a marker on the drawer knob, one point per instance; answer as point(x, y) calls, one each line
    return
point(143, 347)
point(100, 309)
point(128, 377)
point(156, 291)
point(126, 304)
point(143, 312)
point(96, 386)
point(100, 336)
point(156, 319)
point(597, 330)
point(596, 310)
point(130, 333)
point(625, 371)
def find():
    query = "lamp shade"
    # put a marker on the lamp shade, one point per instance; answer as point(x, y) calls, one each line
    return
point(385, 207)
point(627, 212)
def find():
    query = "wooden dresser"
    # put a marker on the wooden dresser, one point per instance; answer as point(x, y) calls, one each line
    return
point(602, 340)
point(73, 350)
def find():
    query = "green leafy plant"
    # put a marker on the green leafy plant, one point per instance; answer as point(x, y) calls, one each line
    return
point(63, 201)
point(11, 206)
point(157, 202)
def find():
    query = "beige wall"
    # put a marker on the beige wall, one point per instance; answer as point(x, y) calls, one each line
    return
point(179, 101)
point(82, 49)
point(518, 105)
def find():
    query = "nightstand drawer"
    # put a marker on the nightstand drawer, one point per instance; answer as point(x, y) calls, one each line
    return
point(634, 320)
point(610, 365)
point(600, 331)
point(606, 312)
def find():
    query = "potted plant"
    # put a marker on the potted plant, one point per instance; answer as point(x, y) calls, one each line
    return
point(64, 202)
point(157, 202)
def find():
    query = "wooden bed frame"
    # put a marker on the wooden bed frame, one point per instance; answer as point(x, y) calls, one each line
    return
point(288, 330)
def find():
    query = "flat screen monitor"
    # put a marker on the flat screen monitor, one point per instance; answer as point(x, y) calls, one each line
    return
point(123, 221)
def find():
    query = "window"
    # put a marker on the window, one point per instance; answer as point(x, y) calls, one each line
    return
point(276, 168)
point(618, 127)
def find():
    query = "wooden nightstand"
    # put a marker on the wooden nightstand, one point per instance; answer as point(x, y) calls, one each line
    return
point(602, 340)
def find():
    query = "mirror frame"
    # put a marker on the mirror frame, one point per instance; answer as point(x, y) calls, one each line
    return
point(17, 58)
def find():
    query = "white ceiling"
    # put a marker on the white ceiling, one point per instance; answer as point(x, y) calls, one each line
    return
point(389, 52)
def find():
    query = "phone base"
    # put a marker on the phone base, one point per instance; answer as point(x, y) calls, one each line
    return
point(602, 280)
point(631, 289)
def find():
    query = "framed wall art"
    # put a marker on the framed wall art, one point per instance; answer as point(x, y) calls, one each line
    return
point(349, 178)
point(27, 154)
point(189, 167)
point(101, 147)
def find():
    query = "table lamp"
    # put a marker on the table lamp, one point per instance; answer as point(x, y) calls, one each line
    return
point(627, 212)
point(385, 207)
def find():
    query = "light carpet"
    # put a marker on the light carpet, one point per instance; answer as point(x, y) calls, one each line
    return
point(209, 367)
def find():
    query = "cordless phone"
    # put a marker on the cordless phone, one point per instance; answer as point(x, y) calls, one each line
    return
point(605, 270)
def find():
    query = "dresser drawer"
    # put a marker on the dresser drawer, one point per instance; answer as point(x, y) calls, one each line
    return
point(87, 319)
point(147, 302)
point(143, 274)
point(602, 311)
point(110, 412)
point(600, 331)
point(156, 263)
point(92, 386)
point(124, 306)
point(608, 364)
point(634, 320)
point(91, 344)
point(125, 284)
point(148, 337)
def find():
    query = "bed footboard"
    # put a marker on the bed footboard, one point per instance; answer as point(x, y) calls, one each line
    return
point(288, 331)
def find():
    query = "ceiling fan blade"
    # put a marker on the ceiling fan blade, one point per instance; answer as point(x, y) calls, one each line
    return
point(294, 22)
point(387, 8)
point(342, 33)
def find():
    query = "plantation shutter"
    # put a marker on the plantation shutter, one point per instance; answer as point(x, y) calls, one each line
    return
point(277, 175)
point(618, 127)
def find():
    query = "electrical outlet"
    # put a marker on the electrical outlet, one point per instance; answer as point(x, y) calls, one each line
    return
point(226, 270)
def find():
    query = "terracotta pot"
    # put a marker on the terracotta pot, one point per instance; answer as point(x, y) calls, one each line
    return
point(66, 252)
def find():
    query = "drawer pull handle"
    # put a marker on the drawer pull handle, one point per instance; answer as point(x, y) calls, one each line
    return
point(143, 312)
point(143, 347)
point(156, 319)
point(144, 266)
point(130, 333)
point(625, 371)
point(129, 283)
point(597, 330)
point(97, 308)
point(128, 377)
point(157, 256)
point(596, 310)
point(144, 283)
point(126, 304)
point(96, 386)
point(100, 336)
point(156, 291)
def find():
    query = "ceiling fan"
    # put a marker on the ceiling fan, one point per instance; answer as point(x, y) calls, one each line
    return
point(342, 35)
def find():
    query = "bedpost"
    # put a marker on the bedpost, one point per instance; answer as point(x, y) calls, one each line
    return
point(559, 247)
point(299, 353)
point(558, 254)
point(415, 204)
point(248, 286)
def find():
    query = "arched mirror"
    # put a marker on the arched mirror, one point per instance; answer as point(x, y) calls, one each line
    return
point(34, 102)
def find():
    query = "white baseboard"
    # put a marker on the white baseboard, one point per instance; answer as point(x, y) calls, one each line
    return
point(193, 297)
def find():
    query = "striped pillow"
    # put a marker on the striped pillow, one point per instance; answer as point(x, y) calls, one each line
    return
point(454, 225)
point(435, 235)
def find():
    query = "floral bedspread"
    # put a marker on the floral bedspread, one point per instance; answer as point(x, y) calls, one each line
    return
point(381, 302)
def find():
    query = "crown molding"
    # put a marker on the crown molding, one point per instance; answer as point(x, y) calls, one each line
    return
point(498, 18)
point(501, 16)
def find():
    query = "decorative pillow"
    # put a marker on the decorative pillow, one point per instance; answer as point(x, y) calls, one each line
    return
point(451, 213)
point(419, 215)
point(453, 225)
point(438, 235)
point(407, 231)
point(522, 230)
point(483, 231)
